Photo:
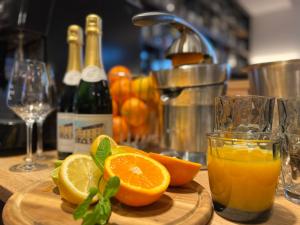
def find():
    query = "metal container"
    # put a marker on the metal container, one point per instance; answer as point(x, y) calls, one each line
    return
point(190, 39)
point(278, 79)
point(188, 90)
point(187, 94)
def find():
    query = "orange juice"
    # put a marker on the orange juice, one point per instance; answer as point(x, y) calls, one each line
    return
point(243, 178)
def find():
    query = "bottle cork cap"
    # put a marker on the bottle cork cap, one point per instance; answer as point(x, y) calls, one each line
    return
point(93, 23)
point(75, 34)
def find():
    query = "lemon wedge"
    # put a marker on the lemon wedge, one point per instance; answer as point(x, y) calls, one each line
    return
point(97, 141)
point(77, 174)
point(54, 175)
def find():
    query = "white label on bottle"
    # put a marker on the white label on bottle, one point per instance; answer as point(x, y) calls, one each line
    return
point(93, 74)
point(89, 126)
point(65, 136)
point(72, 78)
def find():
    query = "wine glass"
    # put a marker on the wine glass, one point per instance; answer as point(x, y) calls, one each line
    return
point(40, 155)
point(28, 97)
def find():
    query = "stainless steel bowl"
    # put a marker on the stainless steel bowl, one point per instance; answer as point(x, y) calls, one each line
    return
point(278, 79)
point(188, 93)
point(188, 76)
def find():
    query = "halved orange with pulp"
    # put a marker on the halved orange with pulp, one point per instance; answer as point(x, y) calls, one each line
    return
point(181, 171)
point(143, 180)
point(127, 149)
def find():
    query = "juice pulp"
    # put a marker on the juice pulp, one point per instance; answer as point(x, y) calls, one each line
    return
point(243, 179)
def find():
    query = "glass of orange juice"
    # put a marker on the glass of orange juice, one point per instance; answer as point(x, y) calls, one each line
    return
point(243, 170)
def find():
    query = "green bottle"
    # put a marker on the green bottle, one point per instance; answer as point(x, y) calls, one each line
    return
point(65, 114)
point(92, 104)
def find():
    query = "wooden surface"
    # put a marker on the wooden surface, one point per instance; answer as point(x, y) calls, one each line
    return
point(238, 87)
point(284, 213)
point(11, 182)
point(41, 204)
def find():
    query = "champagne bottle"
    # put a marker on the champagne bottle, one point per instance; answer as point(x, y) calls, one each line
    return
point(92, 105)
point(65, 115)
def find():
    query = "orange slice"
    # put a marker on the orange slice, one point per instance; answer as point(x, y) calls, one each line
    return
point(181, 171)
point(127, 149)
point(143, 180)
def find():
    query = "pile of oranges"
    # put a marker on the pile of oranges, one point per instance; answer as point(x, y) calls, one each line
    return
point(135, 101)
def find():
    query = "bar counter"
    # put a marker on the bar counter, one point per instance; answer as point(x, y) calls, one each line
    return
point(284, 211)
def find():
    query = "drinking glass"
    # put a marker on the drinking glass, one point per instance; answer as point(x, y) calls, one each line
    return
point(243, 170)
point(291, 167)
point(28, 97)
point(40, 155)
point(244, 113)
point(289, 126)
point(289, 115)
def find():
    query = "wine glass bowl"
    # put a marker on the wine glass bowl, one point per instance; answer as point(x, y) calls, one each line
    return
point(28, 97)
point(40, 155)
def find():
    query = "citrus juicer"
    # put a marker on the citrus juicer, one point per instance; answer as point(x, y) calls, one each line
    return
point(187, 91)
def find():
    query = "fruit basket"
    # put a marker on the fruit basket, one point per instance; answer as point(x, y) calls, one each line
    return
point(136, 106)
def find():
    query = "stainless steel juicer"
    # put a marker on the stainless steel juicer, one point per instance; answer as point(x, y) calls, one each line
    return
point(187, 91)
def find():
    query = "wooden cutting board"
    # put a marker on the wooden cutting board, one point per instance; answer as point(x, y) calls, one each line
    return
point(40, 204)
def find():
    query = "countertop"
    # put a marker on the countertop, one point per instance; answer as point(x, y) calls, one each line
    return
point(284, 212)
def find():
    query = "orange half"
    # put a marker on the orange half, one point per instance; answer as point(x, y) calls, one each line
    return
point(181, 171)
point(143, 180)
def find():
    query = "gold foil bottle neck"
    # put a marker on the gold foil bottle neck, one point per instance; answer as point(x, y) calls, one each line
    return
point(75, 34)
point(93, 24)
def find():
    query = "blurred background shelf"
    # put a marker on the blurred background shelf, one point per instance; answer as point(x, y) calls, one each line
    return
point(225, 23)
point(44, 24)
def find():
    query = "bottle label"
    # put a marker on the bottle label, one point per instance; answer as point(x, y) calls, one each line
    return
point(93, 74)
point(89, 126)
point(72, 78)
point(65, 136)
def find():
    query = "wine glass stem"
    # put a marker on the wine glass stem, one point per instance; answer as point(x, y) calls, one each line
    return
point(28, 158)
point(40, 147)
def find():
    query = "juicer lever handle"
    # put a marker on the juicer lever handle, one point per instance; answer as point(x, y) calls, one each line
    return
point(153, 18)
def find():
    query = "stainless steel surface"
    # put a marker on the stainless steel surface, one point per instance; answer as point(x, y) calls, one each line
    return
point(187, 95)
point(278, 79)
point(187, 43)
point(190, 41)
point(192, 76)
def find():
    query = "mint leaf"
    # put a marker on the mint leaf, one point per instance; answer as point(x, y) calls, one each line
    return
point(100, 214)
point(97, 162)
point(106, 211)
point(111, 187)
point(103, 151)
point(81, 210)
point(93, 217)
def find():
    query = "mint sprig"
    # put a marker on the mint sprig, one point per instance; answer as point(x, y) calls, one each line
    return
point(99, 213)
point(84, 206)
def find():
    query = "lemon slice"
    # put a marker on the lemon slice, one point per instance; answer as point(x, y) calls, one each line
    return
point(77, 174)
point(97, 141)
point(54, 175)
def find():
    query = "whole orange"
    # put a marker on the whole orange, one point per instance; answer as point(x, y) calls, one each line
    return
point(120, 129)
point(144, 88)
point(140, 131)
point(135, 111)
point(121, 90)
point(115, 108)
point(117, 72)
